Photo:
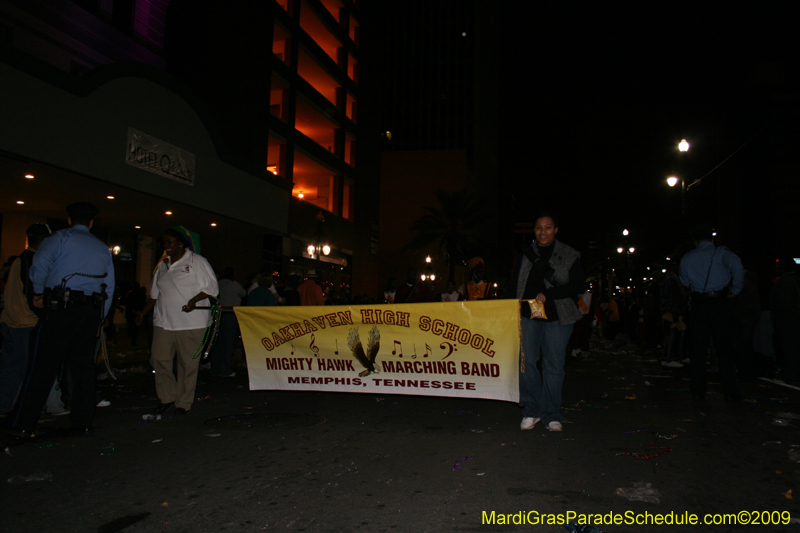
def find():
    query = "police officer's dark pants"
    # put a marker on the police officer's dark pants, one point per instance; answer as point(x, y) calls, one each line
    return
point(68, 335)
point(712, 317)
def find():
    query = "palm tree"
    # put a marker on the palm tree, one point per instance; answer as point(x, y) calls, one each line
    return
point(455, 226)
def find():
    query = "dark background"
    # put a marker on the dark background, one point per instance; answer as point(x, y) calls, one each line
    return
point(596, 101)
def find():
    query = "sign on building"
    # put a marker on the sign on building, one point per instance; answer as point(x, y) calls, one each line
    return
point(159, 157)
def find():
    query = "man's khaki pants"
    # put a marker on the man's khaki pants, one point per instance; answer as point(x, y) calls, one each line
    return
point(165, 345)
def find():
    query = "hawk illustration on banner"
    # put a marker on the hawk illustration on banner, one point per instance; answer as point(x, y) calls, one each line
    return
point(367, 359)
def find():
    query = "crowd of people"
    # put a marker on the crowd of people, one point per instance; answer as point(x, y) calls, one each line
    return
point(59, 297)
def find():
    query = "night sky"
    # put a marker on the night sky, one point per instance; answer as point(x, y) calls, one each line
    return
point(599, 99)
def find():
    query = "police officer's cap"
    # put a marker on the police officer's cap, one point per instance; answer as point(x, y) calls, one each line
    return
point(82, 210)
point(38, 231)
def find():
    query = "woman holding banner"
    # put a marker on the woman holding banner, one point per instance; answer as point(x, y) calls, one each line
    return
point(548, 279)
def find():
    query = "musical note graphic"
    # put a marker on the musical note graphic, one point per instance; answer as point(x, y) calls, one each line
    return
point(428, 351)
point(396, 344)
point(415, 351)
point(292, 345)
point(336, 352)
point(446, 345)
point(314, 347)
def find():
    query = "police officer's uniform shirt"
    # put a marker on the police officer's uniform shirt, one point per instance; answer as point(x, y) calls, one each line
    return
point(175, 284)
point(726, 266)
point(71, 251)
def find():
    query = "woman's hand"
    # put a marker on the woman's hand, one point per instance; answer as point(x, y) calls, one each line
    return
point(191, 304)
point(541, 298)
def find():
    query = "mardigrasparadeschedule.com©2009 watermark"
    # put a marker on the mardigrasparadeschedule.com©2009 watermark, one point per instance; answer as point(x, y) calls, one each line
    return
point(630, 518)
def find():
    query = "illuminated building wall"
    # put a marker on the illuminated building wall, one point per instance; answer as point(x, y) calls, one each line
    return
point(283, 80)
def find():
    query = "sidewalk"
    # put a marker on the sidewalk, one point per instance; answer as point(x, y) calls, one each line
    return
point(300, 461)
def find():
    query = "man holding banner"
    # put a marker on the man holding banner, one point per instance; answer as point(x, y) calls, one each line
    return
point(548, 279)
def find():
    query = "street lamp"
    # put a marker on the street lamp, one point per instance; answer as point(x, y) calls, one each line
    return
point(683, 146)
point(627, 252)
point(429, 273)
point(672, 181)
point(320, 240)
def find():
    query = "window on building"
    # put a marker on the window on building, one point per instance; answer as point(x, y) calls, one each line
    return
point(318, 77)
point(148, 20)
point(280, 43)
point(278, 95)
point(348, 198)
point(350, 110)
point(349, 149)
point(352, 68)
point(315, 183)
point(354, 30)
point(318, 31)
point(335, 8)
point(276, 156)
point(314, 123)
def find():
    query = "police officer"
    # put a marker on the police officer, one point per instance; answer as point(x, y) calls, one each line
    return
point(72, 275)
point(715, 276)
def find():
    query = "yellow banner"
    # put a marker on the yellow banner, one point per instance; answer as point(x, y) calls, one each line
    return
point(461, 349)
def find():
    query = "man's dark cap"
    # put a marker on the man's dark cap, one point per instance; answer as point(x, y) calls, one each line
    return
point(82, 210)
point(38, 231)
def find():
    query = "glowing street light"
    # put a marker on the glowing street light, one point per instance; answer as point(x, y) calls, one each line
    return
point(319, 244)
point(673, 181)
point(625, 232)
point(683, 146)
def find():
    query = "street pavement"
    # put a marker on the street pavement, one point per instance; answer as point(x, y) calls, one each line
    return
point(246, 460)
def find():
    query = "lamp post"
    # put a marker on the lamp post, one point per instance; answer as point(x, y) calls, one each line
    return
point(429, 274)
point(320, 240)
point(683, 147)
point(672, 181)
point(627, 250)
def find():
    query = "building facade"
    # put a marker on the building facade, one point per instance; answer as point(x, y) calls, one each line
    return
point(258, 101)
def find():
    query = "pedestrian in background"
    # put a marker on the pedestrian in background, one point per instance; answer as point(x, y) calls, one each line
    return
point(230, 295)
point(262, 295)
point(784, 306)
point(18, 319)
point(310, 292)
